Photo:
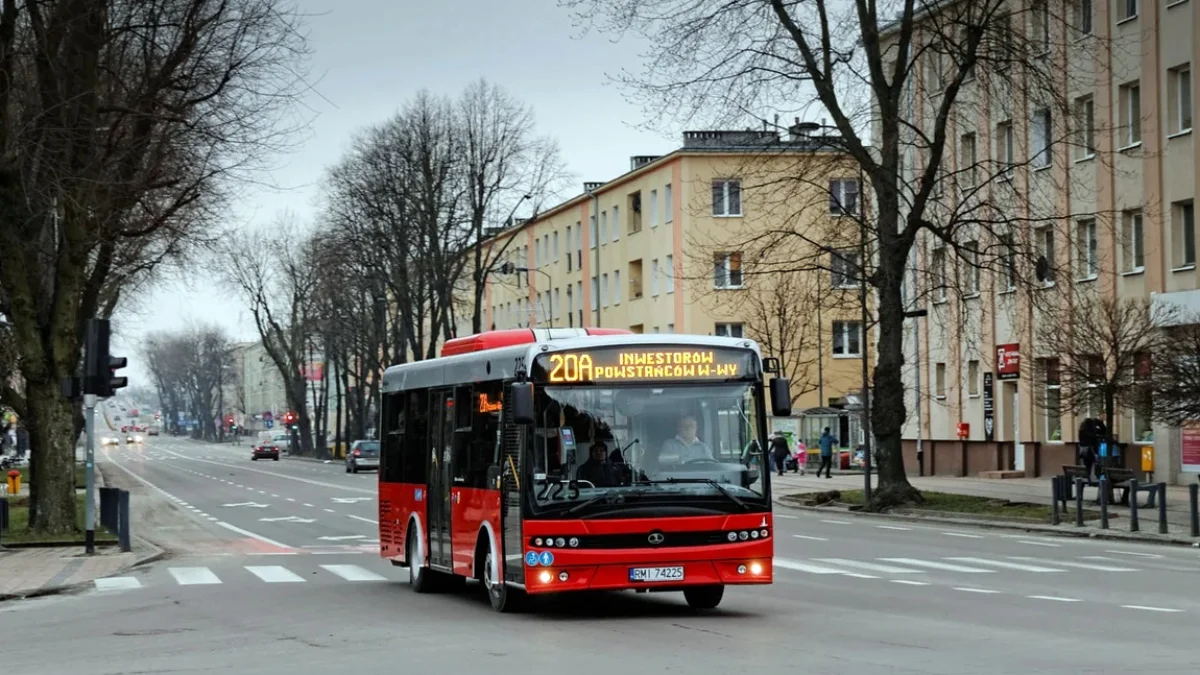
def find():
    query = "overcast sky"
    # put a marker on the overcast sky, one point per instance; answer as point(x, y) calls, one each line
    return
point(370, 57)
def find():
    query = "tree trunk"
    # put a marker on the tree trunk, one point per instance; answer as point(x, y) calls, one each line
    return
point(52, 473)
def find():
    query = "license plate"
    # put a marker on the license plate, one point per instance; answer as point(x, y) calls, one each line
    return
point(656, 574)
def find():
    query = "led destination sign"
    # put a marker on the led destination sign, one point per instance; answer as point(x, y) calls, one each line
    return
point(632, 364)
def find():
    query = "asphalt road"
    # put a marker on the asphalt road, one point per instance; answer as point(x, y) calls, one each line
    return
point(261, 589)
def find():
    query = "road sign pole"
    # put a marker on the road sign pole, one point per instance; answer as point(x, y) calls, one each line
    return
point(89, 513)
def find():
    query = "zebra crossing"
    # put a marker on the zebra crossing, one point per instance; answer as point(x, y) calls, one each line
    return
point(205, 575)
point(952, 565)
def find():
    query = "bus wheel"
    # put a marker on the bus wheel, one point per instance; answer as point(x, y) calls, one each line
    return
point(419, 578)
point(704, 597)
point(503, 597)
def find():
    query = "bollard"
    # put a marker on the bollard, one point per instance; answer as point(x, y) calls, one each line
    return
point(1055, 491)
point(3, 514)
point(1133, 506)
point(124, 534)
point(1104, 502)
point(1078, 502)
point(1162, 508)
point(1194, 499)
point(108, 508)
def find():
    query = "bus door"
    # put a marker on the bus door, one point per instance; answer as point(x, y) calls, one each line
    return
point(441, 438)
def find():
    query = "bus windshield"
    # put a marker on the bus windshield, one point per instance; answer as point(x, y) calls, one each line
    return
point(694, 445)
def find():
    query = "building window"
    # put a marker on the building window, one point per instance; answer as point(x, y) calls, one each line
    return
point(604, 289)
point(1041, 27)
point(727, 198)
point(569, 256)
point(1008, 261)
point(974, 269)
point(595, 234)
point(939, 380)
point(595, 293)
point(843, 197)
point(1042, 138)
point(1053, 403)
point(1133, 242)
point(938, 267)
point(844, 268)
point(847, 338)
point(733, 330)
point(1085, 249)
point(727, 270)
point(654, 208)
point(1081, 16)
point(655, 273)
point(967, 160)
point(972, 377)
point(1045, 241)
point(555, 253)
point(1005, 149)
point(669, 272)
point(934, 69)
point(668, 205)
point(579, 298)
point(1183, 222)
point(616, 294)
point(1131, 114)
point(1126, 9)
point(1085, 127)
point(670, 328)
point(604, 227)
point(557, 304)
point(1180, 92)
point(616, 224)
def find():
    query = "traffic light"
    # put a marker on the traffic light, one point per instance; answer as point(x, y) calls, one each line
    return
point(100, 368)
point(289, 418)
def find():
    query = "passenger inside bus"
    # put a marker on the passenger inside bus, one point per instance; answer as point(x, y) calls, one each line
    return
point(597, 470)
point(686, 445)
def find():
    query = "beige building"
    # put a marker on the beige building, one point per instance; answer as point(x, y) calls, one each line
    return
point(1101, 182)
point(672, 245)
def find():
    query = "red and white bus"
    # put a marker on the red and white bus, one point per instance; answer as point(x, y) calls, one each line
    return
point(546, 461)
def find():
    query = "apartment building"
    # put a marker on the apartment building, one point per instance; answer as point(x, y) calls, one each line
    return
point(671, 246)
point(1111, 211)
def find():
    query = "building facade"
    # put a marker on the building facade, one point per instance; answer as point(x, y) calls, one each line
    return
point(675, 245)
point(1110, 208)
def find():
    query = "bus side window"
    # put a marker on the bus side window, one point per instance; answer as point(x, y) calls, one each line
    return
point(414, 446)
point(392, 433)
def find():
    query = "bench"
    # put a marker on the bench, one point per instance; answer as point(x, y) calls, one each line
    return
point(1117, 477)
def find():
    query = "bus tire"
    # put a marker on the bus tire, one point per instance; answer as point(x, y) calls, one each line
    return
point(704, 597)
point(503, 598)
point(420, 578)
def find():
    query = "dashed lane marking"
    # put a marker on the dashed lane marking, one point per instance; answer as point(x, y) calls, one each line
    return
point(1052, 598)
point(836, 522)
point(969, 589)
point(1006, 565)
point(945, 567)
point(365, 520)
point(804, 536)
point(894, 527)
point(1145, 608)
point(964, 535)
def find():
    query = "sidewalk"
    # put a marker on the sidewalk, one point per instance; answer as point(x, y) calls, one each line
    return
point(1031, 490)
point(34, 571)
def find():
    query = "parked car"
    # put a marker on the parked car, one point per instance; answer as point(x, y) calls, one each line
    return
point(362, 455)
point(265, 451)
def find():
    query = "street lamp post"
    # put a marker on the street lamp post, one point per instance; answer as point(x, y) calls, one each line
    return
point(913, 314)
point(509, 268)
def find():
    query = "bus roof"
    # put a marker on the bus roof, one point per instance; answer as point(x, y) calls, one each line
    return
point(501, 362)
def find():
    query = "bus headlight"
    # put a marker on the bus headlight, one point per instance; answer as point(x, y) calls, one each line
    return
point(545, 577)
point(756, 568)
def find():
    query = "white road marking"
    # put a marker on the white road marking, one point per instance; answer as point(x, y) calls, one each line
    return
point(804, 536)
point(909, 582)
point(330, 511)
point(785, 516)
point(1151, 609)
point(117, 583)
point(1006, 565)
point(836, 522)
point(274, 574)
point(353, 573)
point(365, 520)
point(1082, 566)
point(281, 475)
point(287, 519)
point(350, 500)
point(966, 589)
point(253, 505)
point(277, 553)
point(250, 534)
point(343, 537)
point(893, 527)
point(290, 499)
point(309, 505)
point(804, 567)
point(963, 535)
point(937, 565)
point(1052, 598)
point(191, 576)
point(1038, 543)
point(1143, 555)
point(870, 567)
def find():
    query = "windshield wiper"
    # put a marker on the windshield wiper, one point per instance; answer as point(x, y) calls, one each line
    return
point(711, 482)
point(612, 497)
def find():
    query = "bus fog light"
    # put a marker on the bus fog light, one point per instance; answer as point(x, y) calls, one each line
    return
point(764, 534)
point(733, 536)
point(574, 542)
point(756, 568)
point(741, 569)
point(560, 542)
point(563, 576)
point(743, 535)
point(545, 577)
point(537, 542)
point(754, 534)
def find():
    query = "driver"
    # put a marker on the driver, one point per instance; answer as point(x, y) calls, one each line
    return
point(596, 470)
point(685, 445)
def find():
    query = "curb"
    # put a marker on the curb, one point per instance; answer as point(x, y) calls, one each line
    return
point(150, 553)
point(1108, 535)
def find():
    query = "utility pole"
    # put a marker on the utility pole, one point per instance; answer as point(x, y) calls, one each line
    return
point(89, 514)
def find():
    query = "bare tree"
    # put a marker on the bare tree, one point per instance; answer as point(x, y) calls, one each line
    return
point(190, 367)
point(278, 286)
point(862, 64)
point(121, 123)
point(1107, 350)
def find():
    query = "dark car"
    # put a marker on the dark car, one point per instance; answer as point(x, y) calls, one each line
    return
point(362, 455)
point(265, 451)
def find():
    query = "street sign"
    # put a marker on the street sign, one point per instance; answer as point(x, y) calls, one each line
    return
point(268, 424)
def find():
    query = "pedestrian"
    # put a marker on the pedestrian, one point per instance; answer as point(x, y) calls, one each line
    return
point(826, 444)
point(779, 448)
point(801, 457)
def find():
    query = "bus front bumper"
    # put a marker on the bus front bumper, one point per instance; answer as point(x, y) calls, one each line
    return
point(648, 576)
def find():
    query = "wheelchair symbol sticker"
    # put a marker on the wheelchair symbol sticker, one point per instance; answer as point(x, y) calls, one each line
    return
point(531, 558)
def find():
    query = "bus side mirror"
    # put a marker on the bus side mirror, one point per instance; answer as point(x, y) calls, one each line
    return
point(781, 397)
point(520, 396)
